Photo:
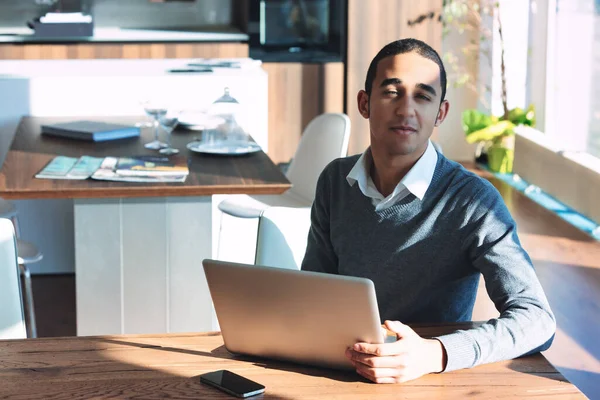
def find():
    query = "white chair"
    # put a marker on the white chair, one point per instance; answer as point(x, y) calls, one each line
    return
point(27, 253)
point(12, 317)
point(324, 139)
point(282, 236)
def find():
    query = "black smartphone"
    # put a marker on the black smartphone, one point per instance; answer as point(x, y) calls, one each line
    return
point(233, 384)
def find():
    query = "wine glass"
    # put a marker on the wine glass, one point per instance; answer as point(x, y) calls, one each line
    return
point(168, 122)
point(155, 110)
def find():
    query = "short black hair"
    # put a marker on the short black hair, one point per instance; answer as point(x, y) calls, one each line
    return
point(406, 46)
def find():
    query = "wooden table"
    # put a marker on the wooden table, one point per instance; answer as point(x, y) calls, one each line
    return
point(138, 246)
point(168, 365)
point(30, 152)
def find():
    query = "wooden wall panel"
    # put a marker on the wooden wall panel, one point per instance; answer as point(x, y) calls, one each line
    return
point(297, 94)
point(371, 25)
point(333, 86)
point(118, 50)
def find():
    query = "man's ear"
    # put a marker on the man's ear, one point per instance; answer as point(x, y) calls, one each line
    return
point(442, 113)
point(363, 103)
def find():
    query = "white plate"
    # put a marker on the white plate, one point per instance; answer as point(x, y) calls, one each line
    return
point(237, 147)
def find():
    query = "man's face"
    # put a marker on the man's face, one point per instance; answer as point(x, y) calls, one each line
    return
point(404, 105)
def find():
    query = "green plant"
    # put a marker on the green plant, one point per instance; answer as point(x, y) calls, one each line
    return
point(496, 134)
point(482, 127)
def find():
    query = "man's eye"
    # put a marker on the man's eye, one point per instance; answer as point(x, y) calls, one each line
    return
point(390, 92)
point(423, 97)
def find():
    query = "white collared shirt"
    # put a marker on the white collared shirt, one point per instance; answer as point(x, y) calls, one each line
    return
point(416, 181)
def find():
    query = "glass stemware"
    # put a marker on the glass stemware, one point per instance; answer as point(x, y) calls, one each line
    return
point(168, 122)
point(155, 110)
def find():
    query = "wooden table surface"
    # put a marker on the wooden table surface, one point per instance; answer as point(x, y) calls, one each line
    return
point(30, 152)
point(168, 366)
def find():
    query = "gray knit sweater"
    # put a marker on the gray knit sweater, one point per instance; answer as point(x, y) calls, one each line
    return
point(425, 258)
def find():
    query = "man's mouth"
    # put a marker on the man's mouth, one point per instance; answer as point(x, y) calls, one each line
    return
point(403, 129)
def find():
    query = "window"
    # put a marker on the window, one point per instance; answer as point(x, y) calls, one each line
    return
point(564, 72)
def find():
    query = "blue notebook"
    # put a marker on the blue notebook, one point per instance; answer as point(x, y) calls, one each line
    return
point(94, 131)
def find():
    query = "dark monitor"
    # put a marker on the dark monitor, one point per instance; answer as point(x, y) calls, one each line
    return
point(282, 28)
point(294, 23)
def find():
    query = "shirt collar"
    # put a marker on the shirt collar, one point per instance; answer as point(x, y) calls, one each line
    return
point(417, 180)
point(361, 170)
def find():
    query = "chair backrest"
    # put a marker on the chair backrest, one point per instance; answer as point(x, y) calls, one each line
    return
point(12, 320)
point(324, 139)
point(282, 235)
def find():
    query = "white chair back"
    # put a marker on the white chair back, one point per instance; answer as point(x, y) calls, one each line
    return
point(12, 320)
point(282, 236)
point(324, 139)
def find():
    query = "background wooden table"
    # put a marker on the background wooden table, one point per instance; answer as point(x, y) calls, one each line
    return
point(168, 366)
point(209, 174)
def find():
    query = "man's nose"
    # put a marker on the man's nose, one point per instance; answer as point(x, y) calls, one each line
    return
point(405, 107)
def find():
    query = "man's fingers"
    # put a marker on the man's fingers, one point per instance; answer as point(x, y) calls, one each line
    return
point(377, 380)
point(400, 329)
point(375, 361)
point(386, 375)
point(380, 350)
point(380, 375)
point(379, 372)
point(385, 349)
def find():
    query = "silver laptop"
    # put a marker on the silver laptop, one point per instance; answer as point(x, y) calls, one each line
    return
point(304, 317)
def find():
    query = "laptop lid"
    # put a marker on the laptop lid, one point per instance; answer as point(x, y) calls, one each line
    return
point(300, 316)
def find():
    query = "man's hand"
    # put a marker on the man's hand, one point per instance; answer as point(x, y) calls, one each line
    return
point(408, 358)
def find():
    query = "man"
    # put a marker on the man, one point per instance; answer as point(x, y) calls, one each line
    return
point(422, 228)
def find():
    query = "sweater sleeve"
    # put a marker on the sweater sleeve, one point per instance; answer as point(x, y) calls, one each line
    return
point(526, 323)
point(320, 256)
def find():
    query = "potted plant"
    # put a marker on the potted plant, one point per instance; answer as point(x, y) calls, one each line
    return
point(496, 134)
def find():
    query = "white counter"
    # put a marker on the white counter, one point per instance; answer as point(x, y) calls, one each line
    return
point(107, 88)
point(118, 35)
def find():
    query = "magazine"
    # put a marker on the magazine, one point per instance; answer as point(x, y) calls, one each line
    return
point(62, 167)
point(147, 169)
point(109, 171)
point(151, 166)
